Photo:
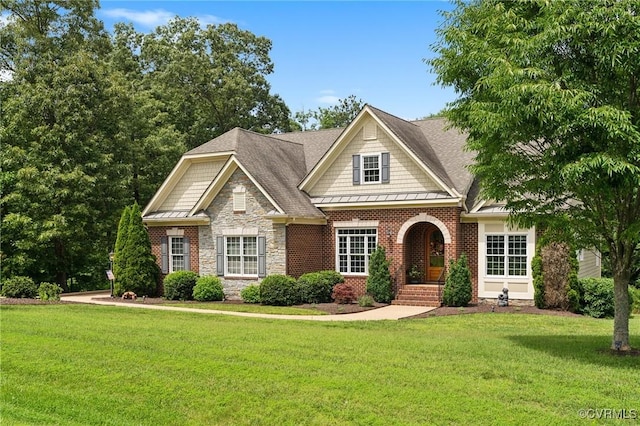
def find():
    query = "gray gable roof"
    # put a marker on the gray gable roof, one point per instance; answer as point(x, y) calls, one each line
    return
point(277, 166)
point(280, 162)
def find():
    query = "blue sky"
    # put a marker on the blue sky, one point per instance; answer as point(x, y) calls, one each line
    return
point(325, 50)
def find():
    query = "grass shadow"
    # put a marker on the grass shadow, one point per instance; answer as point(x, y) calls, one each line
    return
point(587, 349)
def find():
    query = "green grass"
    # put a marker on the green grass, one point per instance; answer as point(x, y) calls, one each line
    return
point(80, 365)
point(246, 307)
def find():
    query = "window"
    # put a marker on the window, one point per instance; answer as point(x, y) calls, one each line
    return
point(177, 254)
point(507, 253)
point(354, 246)
point(371, 168)
point(241, 256)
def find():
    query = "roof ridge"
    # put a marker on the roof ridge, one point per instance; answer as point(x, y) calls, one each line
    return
point(271, 137)
point(392, 115)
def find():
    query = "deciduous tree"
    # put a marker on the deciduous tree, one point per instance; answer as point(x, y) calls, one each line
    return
point(549, 94)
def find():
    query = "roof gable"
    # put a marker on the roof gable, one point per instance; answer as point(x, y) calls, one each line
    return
point(408, 137)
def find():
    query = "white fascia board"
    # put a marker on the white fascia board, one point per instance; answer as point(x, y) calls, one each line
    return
point(221, 179)
point(451, 191)
point(319, 169)
point(294, 220)
point(176, 174)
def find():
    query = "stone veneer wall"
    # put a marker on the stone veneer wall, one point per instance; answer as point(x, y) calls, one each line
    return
point(223, 217)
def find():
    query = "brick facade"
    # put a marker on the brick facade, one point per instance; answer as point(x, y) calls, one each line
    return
point(306, 253)
point(155, 235)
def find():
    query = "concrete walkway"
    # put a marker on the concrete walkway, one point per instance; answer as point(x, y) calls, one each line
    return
point(391, 312)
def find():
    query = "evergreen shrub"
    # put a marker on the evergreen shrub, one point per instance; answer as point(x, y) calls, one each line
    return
point(365, 301)
point(316, 287)
point(19, 287)
point(179, 285)
point(598, 297)
point(457, 286)
point(279, 290)
point(208, 289)
point(49, 291)
point(379, 284)
point(251, 294)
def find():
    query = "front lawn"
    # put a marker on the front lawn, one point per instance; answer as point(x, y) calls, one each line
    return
point(78, 364)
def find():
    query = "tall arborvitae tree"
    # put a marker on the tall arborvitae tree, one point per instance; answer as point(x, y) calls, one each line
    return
point(138, 271)
point(119, 260)
point(379, 284)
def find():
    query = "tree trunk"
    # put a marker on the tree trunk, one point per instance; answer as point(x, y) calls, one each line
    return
point(621, 277)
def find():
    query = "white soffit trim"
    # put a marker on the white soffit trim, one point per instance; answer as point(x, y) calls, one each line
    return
point(356, 223)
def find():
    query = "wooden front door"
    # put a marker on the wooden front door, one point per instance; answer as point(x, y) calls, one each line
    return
point(435, 254)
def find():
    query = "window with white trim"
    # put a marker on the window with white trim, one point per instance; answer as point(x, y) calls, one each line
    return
point(176, 254)
point(371, 168)
point(506, 255)
point(353, 249)
point(241, 256)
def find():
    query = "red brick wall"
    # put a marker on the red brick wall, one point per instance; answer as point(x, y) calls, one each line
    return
point(390, 221)
point(191, 232)
point(469, 246)
point(304, 249)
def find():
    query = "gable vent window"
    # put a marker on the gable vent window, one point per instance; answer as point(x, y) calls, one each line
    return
point(370, 131)
point(239, 199)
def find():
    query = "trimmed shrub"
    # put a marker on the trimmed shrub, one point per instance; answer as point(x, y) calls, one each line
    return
point(457, 286)
point(316, 287)
point(251, 294)
point(598, 297)
point(179, 285)
point(598, 300)
point(343, 294)
point(19, 287)
point(379, 284)
point(48, 291)
point(279, 290)
point(208, 289)
point(365, 301)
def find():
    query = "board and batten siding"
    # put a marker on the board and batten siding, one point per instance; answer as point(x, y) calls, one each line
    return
point(490, 287)
point(405, 174)
point(186, 193)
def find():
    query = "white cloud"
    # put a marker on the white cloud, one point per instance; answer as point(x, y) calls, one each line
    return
point(154, 18)
point(328, 99)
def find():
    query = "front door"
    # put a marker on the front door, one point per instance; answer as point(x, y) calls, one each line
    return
point(435, 254)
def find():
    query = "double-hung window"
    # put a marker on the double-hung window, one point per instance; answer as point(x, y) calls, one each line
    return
point(176, 254)
point(241, 256)
point(354, 246)
point(506, 255)
point(371, 168)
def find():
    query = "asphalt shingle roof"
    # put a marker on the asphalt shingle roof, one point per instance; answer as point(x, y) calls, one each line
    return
point(280, 162)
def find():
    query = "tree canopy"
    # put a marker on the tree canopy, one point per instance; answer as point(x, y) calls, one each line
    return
point(93, 122)
point(549, 95)
point(338, 115)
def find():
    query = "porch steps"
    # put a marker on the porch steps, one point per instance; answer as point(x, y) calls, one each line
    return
point(418, 295)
